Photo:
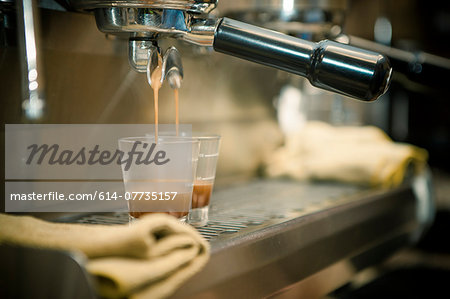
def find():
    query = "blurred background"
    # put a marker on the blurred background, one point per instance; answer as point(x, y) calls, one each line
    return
point(88, 80)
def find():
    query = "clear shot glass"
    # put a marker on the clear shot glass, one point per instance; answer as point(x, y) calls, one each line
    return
point(160, 176)
point(204, 178)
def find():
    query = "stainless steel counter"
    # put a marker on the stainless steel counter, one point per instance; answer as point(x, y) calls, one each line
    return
point(292, 232)
point(270, 238)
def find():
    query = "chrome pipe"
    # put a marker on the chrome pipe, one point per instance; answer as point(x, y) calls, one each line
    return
point(33, 100)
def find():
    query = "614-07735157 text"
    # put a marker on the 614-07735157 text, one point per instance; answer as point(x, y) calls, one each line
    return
point(131, 196)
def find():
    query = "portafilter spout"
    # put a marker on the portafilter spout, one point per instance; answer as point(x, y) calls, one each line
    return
point(170, 63)
point(357, 73)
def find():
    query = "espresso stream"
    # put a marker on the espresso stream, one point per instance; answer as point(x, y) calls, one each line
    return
point(201, 192)
point(156, 85)
point(175, 91)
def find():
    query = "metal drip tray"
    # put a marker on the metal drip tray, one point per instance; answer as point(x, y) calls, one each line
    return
point(247, 208)
point(269, 236)
point(274, 237)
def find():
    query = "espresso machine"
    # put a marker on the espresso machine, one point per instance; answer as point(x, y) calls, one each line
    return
point(357, 73)
point(268, 238)
point(340, 68)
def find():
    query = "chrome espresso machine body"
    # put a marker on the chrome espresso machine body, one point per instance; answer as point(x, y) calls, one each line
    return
point(353, 72)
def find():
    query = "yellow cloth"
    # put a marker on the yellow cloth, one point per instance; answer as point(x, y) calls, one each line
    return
point(149, 258)
point(361, 155)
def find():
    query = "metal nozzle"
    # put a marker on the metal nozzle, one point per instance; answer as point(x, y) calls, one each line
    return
point(173, 68)
point(153, 61)
point(170, 63)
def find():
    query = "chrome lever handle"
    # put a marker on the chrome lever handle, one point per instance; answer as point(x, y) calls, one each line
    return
point(354, 72)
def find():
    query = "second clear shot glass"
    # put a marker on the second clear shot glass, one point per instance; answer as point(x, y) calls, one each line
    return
point(204, 179)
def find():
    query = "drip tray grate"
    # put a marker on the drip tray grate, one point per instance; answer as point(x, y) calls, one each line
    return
point(223, 225)
point(249, 208)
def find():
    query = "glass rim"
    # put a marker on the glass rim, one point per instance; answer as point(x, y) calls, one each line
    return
point(175, 139)
point(207, 136)
point(198, 136)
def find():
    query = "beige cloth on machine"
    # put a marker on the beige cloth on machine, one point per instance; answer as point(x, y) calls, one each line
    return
point(361, 155)
point(150, 258)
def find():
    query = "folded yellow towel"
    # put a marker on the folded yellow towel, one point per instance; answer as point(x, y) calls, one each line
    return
point(361, 155)
point(149, 258)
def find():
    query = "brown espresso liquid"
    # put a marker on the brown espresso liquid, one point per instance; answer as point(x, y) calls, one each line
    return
point(177, 115)
point(139, 208)
point(175, 214)
point(201, 194)
point(156, 85)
